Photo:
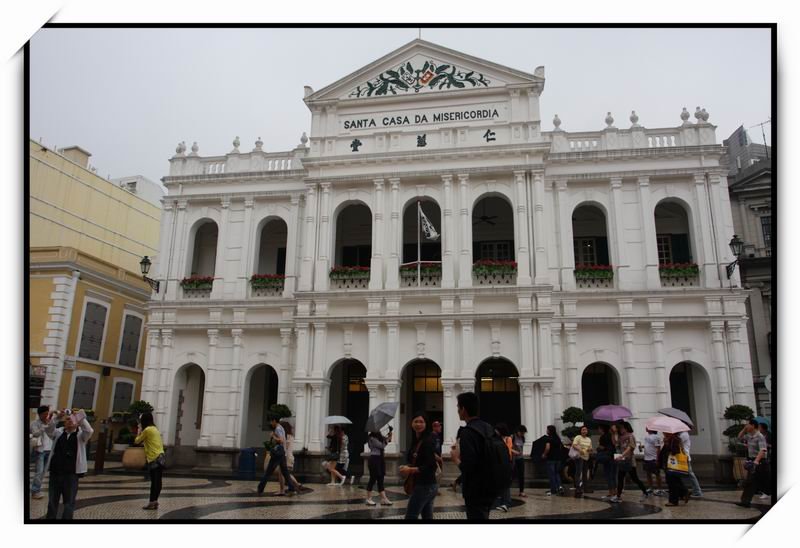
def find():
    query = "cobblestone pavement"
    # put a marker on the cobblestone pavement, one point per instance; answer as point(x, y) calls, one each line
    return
point(120, 497)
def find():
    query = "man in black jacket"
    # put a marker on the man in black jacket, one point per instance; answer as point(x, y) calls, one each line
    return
point(469, 454)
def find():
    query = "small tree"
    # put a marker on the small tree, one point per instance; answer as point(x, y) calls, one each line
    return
point(279, 410)
point(738, 414)
point(138, 407)
point(572, 415)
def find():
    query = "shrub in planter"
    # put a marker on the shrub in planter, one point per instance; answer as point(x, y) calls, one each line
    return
point(197, 282)
point(594, 271)
point(425, 269)
point(486, 267)
point(266, 281)
point(678, 270)
point(572, 415)
point(138, 407)
point(349, 272)
point(739, 414)
point(279, 410)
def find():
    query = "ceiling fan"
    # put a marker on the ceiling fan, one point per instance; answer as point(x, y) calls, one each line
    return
point(485, 218)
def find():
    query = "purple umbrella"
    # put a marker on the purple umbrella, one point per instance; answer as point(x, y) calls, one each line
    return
point(611, 413)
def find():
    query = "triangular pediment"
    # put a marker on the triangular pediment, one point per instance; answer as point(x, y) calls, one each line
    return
point(423, 67)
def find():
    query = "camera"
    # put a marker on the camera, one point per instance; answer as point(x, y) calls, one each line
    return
point(67, 412)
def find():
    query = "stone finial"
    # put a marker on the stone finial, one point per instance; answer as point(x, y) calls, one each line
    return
point(705, 115)
point(685, 117)
point(307, 90)
point(181, 148)
point(609, 120)
point(557, 123)
point(236, 144)
point(303, 139)
point(698, 115)
point(259, 145)
point(195, 148)
point(634, 119)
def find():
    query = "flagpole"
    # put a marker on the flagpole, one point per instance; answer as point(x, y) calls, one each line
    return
point(419, 245)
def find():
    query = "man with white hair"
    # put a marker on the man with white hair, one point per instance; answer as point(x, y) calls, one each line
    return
point(67, 460)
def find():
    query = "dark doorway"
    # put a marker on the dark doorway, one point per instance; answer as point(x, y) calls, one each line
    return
point(497, 387)
point(350, 397)
point(599, 386)
point(422, 380)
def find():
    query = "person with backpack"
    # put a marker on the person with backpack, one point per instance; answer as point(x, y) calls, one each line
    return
point(503, 501)
point(482, 458)
point(553, 457)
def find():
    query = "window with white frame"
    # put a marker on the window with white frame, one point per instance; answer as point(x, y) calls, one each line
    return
point(83, 392)
point(123, 396)
point(496, 251)
point(664, 242)
point(94, 322)
point(585, 251)
point(131, 337)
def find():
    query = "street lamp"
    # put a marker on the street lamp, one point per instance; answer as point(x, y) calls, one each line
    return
point(145, 264)
point(736, 246)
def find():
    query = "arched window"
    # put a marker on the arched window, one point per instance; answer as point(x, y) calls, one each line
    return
point(204, 255)
point(599, 386)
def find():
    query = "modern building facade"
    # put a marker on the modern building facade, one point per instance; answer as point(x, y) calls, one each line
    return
point(87, 301)
point(573, 268)
point(750, 187)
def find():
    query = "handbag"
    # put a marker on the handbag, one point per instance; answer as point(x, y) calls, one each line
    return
point(411, 479)
point(574, 453)
point(277, 451)
point(160, 462)
point(678, 463)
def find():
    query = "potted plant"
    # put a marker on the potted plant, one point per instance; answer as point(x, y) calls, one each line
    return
point(678, 270)
point(138, 407)
point(349, 273)
point(572, 415)
point(738, 414)
point(488, 267)
point(267, 281)
point(123, 440)
point(197, 282)
point(594, 272)
point(425, 269)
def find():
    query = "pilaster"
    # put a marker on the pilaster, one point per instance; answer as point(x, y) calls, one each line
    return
point(648, 220)
point(378, 240)
point(310, 213)
point(324, 245)
point(465, 258)
point(523, 237)
point(448, 234)
point(539, 238)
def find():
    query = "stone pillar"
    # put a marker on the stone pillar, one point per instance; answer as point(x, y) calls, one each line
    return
point(448, 234)
point(449, 350)
point(659, 360)
point(573, 382)
point(164, 241)
point(320, 355)
point(284, 380)
point(392, 395)
point(378, 240)
point(246, 267)
point(163, 402)
point(467, 349)
point(740, 367)
point(652, 279)
point(548, 412)
point(231, 434)
point(465, 258)
point(303, 365)
point(542, 354)
point(523, 237)
point(565, 231)
point(395, 237)
point(375, 363)
point(617, 213)
point(210, 389)
point(181, 253)
point(722, 224)
point(151, 366)
point(324, 263)
point(628, 366)
point(527, 368)
point(307, 266)
point(393, 349)
point(720, 370)
point(702, 234)
point(528, 411)
point(290, 284)
point(541, 264)
point(302, 415)
point(558, 371)
point(315, 422)
point(218, 289)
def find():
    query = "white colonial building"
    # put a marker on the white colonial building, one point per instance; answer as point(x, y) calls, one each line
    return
point(554, 282)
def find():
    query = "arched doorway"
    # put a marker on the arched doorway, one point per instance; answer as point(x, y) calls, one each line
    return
point(260, 393)
point(690, 391)
point(497, 386)
point(349, 397)
point(599, 386)
point(421, 391)
point(188, 404)
point(204, 250)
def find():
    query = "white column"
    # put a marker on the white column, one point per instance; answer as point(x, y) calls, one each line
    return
point(448, 234)
point(310, 213)
point(324, 262)
point(451, 420)
point(292, 238)
point(542, 351)
point(449, 350)
point(246, 267)
point(218, 289)
point(523, 237)
point(284, 378)
point(378, 241)
point(392, 396)
point(210, 389)
point(164, 241)
point(617, 214)
point(303, 365)
point(723, 224)
point(302, 417)
point(465, 259)
point(375, 362)
point(395, 237)
point(180, 251)
point(231, 437)
point(719, 365)
point(467, 349)
point(315, 423)
point(528, 410)
point(392, 349)
point(565, 231)
point(558, 371)
point(649, 246)
point(702, 234)
point(151, 366)
point(659, 360)
point(527, 368)
point(628, 364)
point(742, 372)
point(320, 354)
point(163, 401)
point(59, 327)
point(573, 382)
point(541, 264)
point(548, 413)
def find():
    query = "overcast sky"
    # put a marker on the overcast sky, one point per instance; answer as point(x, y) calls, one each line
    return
point(130, 95)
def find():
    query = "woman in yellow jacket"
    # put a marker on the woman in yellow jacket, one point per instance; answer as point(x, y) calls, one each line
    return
point(154, 455)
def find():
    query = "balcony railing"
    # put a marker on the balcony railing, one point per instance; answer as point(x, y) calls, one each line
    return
point(594, 276)
point(679, 275)
point(349, 277)
point(267, 285)
point(430, 274)
point(491, 272)
point(197, 287)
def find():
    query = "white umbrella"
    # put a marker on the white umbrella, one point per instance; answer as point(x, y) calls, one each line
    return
point(336, 419)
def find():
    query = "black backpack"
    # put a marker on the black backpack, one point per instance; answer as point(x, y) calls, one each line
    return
point(495, 463)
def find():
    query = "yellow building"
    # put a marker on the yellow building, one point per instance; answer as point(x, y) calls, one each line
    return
point(87, 300)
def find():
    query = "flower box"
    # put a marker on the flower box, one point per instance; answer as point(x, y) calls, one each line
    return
point(486, 267)
point(678, 270)
point(594, 272)
point(425, 269)
point(197, 282)
point(349, 273)
point(265, 281)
